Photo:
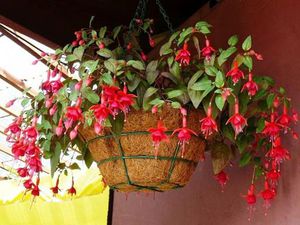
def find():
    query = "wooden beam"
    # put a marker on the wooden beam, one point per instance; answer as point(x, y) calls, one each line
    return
point(20, 85)
point(8, 111)
point(17, 27)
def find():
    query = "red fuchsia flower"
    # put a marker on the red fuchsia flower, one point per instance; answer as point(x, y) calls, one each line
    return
point(23, 172)
point(272, 128)
point(250, 86)
point(183, 55)
point(55, 189)
point(101, 112)
point(19, 149)
point(144, 57)
point(10, 103)
point(35, 164)
point(158, 135)
point(98, 128)
point(238, 122)
point(208, 124)
point(31, 133)
point(251, 200)
point(267, 194)
point(222, 178)
point(295, 116)
point(235, 73)
point(154, 109)
point(126, 100)
point(35, 190)
point(101, 45)
point(273, 175)
point(59, 129)
point(278, 154)
point(151, 42)
point(28, 184)
point(72, 190)
point(13, 128)
point(73, 113)
point(284, 119)
point(184, 134)
point(207, 51)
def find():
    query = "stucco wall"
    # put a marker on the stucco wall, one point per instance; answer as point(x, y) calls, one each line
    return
point(275, 28)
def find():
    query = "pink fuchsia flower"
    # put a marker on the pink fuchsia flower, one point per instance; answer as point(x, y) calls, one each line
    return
point(74, 113)
point(74, 132)
point(276, 102)
point(35, 164)
point(184, 135)
point(284, 120)
point(31, 133)
point(222, 178)
point(273, 175)
point(158, 135)
point(183, 55)
point(235, 73)
point(207, 51)
point(272, 128)
point(238, 122)
point(226, 92)
point(19, 149)
point(250, 86)
point(59, 129)
point(10, 103)
point(208, 124)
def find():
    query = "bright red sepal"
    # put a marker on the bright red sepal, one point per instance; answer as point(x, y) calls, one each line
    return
point(207, 51)
point(183, 55)
point(208, 124)
point(158, 135)
point(235, 73)
point(238, 122)
point(222, 178)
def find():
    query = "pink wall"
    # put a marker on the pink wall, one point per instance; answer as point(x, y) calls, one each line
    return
point(275, 28)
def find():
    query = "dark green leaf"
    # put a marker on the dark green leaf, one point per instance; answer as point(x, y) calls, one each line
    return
point(136, 64)
point(107, 78)
point(90, 95)
point(270, 99)
point(174, 93)
point(117, 124)
point(225, 55)
point(147, 97)
point(260, 125)
point(74, 166)
point(245, 159)
point(202, 85)
point(102, 32)
point(194, 78)
point(116, 31)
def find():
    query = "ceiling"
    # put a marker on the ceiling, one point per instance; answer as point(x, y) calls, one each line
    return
point(57, 20)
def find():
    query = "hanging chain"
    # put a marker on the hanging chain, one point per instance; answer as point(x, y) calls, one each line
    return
point(140, 13)
point(165, 16)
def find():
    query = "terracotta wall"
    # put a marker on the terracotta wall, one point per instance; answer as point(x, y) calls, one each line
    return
point(275, 27)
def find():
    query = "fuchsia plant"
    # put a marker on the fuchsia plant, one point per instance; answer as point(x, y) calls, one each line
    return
point(245, 112)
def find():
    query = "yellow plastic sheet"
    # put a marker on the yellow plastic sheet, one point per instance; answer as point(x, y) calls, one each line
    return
point(88, 207)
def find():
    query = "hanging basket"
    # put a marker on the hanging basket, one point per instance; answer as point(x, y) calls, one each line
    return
point(128, 163)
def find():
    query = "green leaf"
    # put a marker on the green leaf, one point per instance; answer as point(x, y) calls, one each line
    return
point(202, 85)
point(175, 70)
point(46, 125)
point(40, 97)
point(282, 91)
point(270, 99)
point(233, 40)
point(107, 78)
point(71, 58)
point(194, 78)
point(219, 100)
point(110, 66)
point(91, 65)
point(133, 84)
point(156, 101)
point(174, 93)
point(203, 27)
point(247, 43)
point(25, 101)
point(221, 155)
point(245, 159)
point(225, 54)
point(91, 21)
point(183, 35)
point(104, 52)
point(242, 143)
point(165, 49)
point(116, 31)
point(211, 70)
point(88, 159)
point(90, 95)
point(78, 52)
point(136, 64)
point(195, 97)
point(74, 95)
point(147, 97)
point(219, 81)
point(197, 46)
point(228, 132)
point(260, 125)
point(175, 105)
point(54, 160)
point(102, 32)
point(248, 62)
point(151, 71)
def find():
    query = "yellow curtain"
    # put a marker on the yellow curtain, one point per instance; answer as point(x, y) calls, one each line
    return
point(88, 207)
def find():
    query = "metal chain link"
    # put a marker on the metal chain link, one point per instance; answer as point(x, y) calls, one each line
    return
point(165, 16)
point(140, 13)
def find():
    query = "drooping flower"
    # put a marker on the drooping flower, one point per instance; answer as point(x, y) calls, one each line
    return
point(74, 132)
point(72, 190)
point(251, 200)
point(35, 164)
point(101, 112)
point(226, 92)
point(207, 51)
point(184, 134)
point(208, 124)
point(273, 175)
point(295, 116)
point(272, 128)
point(276, 102)
point(28, 184)
point(277, 153)
point(158, 135)
point(250, 86)
point(10, 103)
point(151, 42)
point(222, 178)
point(23, 172)
point(18, 149)
point(55, 189)
point(238, 122)
point(267, 194)
point(74, 113)
point(59, 129)
point(183, 55)
point(235, 73)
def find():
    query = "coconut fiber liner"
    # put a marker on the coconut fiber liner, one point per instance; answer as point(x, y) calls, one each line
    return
point(128, 163)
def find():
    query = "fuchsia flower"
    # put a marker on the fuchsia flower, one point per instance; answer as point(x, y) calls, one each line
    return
point(277, 152)
point(151, 42)
point(183, 55)
point(74, 113)
point(250, 86)
point(10, 103)
point(158, 135)
point(208, 124)
point(18, 149)
point(273, 175)
point(222, 178)
point(238, 122)
point(23, 172)
point(251, 200)
point(272, 128)
point(59, 129)
point(101, 112)
point(268, 194)
point(284, 119)
point(72, 190)
point(226, 92)
point(207, 51)
point(55, 189)
point(235, 73)
point(184, 134)
point(28, 184)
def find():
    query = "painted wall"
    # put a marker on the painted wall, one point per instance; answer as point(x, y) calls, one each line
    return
point(275, 27)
